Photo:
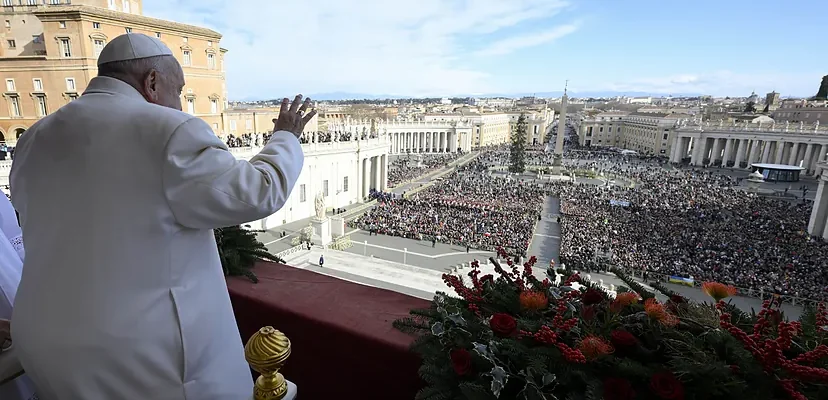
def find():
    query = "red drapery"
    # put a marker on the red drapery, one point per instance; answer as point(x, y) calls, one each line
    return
point(343, 344)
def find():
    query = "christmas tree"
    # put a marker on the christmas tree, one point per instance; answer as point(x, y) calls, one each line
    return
point(239, 249)
point(517, 151)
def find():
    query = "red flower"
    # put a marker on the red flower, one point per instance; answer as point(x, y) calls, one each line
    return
point(618, 389)
point(623, 338)
point(588, 313)
point(461, 361)
point(533, 300)
point(591, 297)
point(666, 386)
point(594, 347)
point(503, 325)
point(718, 291)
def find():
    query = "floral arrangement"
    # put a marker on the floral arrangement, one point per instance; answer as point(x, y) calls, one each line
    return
point(513, 336)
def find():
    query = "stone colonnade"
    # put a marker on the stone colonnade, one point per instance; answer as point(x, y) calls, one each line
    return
point(423, 142)
point(818, 224)
point(740, 151)
point(373, 172)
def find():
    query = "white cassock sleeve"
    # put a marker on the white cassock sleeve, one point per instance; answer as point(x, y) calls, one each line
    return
point(207, 187)
point(10, 226)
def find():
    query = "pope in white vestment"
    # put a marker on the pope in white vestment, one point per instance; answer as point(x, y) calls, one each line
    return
point(122, 295)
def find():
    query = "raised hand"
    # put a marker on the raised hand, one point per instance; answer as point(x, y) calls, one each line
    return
point(292, 116)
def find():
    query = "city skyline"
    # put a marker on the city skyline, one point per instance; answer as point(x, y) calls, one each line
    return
point(445, 48)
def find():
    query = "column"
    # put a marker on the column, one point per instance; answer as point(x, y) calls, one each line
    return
point(809, 155)
point(384, 178)
point(766, 151)
point(740, 153)
point(376, 172)
point(698, 151)
point(817, 225)
point(820, 158)
point(728, 149)
point(714, 155)
point(780, 151)
point(793, 159)
point(453, 142)
point(366, 169)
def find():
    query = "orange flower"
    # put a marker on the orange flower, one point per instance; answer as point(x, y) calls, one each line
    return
point(623, 300)
point(531, 300)
point(594, 347)
point(657, 312)
point(718, 291)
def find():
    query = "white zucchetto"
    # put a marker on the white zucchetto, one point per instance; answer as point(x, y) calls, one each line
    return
point(132, 46)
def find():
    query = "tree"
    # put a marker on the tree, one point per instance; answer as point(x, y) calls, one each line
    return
point(239, 249)
point(822, 93)
point(517, 152)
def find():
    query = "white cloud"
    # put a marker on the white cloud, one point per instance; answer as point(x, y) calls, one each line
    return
point(362, 46)
point(508, 45)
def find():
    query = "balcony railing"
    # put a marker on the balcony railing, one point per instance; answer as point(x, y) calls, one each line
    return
point(341, 339)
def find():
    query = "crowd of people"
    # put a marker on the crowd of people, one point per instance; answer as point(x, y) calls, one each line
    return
point(410, 167)
point(694, 224)
point(466, 208)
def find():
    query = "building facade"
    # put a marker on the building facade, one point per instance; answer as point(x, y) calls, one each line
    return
point(247, 121)
point(646, 133)
point(50, 53)
point(741, 145)
point(807, 112)
point(343, 172)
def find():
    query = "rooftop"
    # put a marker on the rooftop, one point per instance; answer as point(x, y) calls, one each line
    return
point(52, 12)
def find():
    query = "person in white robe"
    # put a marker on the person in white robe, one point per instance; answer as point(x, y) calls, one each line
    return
point(12, 254)
point(122, 294)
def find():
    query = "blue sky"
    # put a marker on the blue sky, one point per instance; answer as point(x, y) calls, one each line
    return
point(452, 47)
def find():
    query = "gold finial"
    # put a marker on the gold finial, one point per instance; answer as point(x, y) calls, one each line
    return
point(266, 352)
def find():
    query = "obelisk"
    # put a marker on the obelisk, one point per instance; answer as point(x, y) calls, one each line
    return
point(559, 140)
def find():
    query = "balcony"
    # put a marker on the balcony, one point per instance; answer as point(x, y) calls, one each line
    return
point(342, 342)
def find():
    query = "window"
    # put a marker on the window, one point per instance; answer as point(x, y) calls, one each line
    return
point(62, 24)
point(191, 105)
point(73, 97)
point(248, 124)
point(325, 188)
point(302, 195)
point(38, 39)
point(345, 184)
point(215, 127)
point(184, 39)
point(213, 106)
point(211, 61)
point(96, 25)
point(158, 34)
point(126, 6)
point(54, 2)
point(111, 4)
point(209, 43)
point(12, 44)
point(186, 57)
point(665, 136)
point(70, 85)
point(128, 30)
point(98, 44)
point(65, 49)
point(37, 83)
point(10, 85)
point(233, 125)
point(40, 102)
point(8, 24)
point(14, 104)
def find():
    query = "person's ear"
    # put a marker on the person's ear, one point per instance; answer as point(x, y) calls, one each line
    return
point(150, 85)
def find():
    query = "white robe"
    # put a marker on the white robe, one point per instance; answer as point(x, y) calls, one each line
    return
point(11, 266)
point(122, 294)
